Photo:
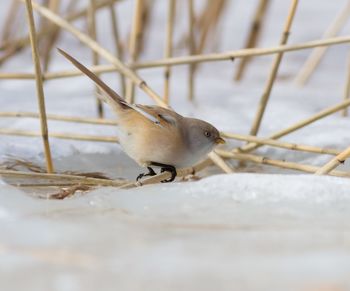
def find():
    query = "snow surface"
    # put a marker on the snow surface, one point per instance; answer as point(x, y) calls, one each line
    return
point(274, 231)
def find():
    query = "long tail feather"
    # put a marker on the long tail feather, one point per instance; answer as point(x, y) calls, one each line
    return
point(111, 97)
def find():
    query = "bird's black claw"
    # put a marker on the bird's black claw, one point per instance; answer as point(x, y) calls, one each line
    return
point(172, 171)
point(140, 177)
point(151, 172)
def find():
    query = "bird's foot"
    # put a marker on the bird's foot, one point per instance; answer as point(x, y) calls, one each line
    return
point(151, 172)
point(166, 168)
point(172, 171)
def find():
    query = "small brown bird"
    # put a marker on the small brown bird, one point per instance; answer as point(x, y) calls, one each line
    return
point(156, 136)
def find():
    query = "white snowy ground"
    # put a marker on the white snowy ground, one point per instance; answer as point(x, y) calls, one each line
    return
point(274, 231)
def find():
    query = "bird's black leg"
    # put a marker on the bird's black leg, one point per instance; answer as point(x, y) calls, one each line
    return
point(151, 172)
point(166, 168)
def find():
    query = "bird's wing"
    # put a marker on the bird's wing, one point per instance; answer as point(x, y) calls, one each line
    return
point(159, 115)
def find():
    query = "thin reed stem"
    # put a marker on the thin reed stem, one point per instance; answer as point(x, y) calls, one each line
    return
point(169, 47)
point(326, 112)
point(87, 120)
point(217, 160)
point(316, 55)
point(253, 36)
point(176, 61)
point(335, 162)
point(209, 20)
point(8, 28)
point(39, 87)
point(280, 144)
point(91, 17)
point(192, 48)
point(273, 72)
point(64, 177)
point(136, 32)
point(276, 163)
point(347, 86)
point(50, 40)
point(70, 136)
point(118, 44)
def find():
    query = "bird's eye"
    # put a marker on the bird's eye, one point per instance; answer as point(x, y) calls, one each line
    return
point(207, 133)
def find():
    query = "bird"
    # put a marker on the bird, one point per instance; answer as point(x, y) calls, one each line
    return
point(155, 136)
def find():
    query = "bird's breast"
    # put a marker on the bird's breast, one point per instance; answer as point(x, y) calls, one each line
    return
point(155, 144)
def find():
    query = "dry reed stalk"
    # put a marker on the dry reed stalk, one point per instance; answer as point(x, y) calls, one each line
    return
point(86, 120)
point(14, 164)
point(135, 37)
point(18, 164)
point(218, 161)
point(43, 22)
point(277, 163)
point(192, 48)
point(99, 49)
point(316, 55)
point(70, 136)
point(82, 13)
point(55, 31)
point(202, 23)
point(76, 73)
point(219, 12)
point(62, 177)
point(274, 70)
point(335, 162)
point(49, 185)
point(324, 113)
point(253, 36)
point(23, 41)
point(280, 144)
point(347, 86)
point(206, 24)
point(39, 87)
point(10, 19)
point(17, 76)
point(91, 19)
point(118, 44)
point(176, 61)
point(8, 54)
point(50, 40)
point(146, 18)
point(69, 191)
point(209, 20)
point(169, 47)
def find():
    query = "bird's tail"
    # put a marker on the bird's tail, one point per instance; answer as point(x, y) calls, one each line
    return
point(111, 97)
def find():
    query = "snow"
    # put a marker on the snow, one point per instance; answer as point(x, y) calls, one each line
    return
point(275, 230)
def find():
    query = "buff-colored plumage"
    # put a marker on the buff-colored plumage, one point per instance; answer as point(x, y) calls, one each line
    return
point(152, 135)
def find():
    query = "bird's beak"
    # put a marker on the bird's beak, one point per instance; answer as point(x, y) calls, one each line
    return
point(220, 140)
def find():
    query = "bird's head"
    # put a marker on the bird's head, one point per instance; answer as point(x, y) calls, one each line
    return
point(202, 136)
